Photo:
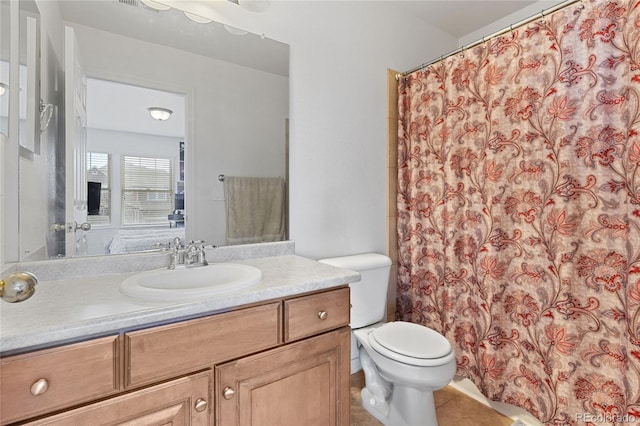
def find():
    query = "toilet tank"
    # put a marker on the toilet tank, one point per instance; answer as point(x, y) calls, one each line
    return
point(369, 295)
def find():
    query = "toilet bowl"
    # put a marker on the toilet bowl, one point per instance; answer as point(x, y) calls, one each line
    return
point(403, 363)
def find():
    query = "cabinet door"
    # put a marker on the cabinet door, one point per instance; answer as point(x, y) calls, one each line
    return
point(184, 401)
point(304, 383)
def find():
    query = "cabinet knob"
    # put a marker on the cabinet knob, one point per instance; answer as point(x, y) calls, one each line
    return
point(322, 315)
point(39, 387)
point(201, 405)
point(228, 393)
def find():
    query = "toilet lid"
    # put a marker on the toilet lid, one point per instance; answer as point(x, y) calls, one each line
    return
point(412, 340)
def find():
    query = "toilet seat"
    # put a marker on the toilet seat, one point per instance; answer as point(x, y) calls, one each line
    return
point(410, 343)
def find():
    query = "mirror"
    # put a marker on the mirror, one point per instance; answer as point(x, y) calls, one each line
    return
point(19, 120)
point(234, 88)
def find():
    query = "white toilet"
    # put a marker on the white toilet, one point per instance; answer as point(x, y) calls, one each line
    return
point(403, 363)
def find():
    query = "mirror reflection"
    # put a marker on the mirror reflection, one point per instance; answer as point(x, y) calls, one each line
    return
point(135, 167)
point(119, 180)
point(5, 47)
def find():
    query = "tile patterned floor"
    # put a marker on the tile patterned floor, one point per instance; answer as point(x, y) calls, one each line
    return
point(453, 408)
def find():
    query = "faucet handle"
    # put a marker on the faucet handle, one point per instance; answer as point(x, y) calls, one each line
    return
point(202, 256)
point(177, 243)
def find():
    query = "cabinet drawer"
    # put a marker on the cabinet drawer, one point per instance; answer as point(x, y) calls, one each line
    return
point(308, 315)
point(184, 401)
point(164, 352)
point(67, 375)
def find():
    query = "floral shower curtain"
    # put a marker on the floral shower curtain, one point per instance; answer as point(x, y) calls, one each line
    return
point(519, 212)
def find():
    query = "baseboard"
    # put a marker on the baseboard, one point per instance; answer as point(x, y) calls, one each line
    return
point(520, 416)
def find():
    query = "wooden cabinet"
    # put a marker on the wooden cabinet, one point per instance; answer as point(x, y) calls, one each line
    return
point(279, 362)
point(184, 401)
point(162, 352)
point(304, 383)
point(312, 314)
point(42, 381)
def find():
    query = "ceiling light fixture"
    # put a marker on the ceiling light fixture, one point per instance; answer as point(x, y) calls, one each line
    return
point(197, 18)
point(155, 5)
point(160, 114)
point(3, 89)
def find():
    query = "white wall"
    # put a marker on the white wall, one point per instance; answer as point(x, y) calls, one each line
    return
point(33, 201)
point(340, 53)
point(2, 224)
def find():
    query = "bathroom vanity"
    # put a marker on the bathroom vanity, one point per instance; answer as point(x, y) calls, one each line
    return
point(281, 358)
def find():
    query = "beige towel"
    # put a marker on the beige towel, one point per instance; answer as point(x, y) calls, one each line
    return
point(255, 209)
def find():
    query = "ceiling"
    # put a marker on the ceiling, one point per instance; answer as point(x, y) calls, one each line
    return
point(121, 107)
point(131, 18)
point(462, 17)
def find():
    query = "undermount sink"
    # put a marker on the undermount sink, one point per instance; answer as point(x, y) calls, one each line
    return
point(191, 283)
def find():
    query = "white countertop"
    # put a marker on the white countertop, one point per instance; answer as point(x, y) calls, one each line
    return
point(74, 309)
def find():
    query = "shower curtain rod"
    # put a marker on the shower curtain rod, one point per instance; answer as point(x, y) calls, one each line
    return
point(489, 37)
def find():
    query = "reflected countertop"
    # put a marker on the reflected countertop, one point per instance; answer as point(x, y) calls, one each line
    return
point(68, 310)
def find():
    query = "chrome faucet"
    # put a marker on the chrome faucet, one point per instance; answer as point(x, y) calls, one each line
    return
point(195, 255)
point(190, 256)
point(177, 255)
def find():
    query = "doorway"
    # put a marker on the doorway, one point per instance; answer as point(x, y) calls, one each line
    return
point(136, 167)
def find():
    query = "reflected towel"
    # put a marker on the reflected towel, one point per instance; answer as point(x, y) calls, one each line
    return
point(255, 209)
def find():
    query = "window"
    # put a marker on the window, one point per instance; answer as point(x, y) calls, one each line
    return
point(99, 172)
point(147, 190)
